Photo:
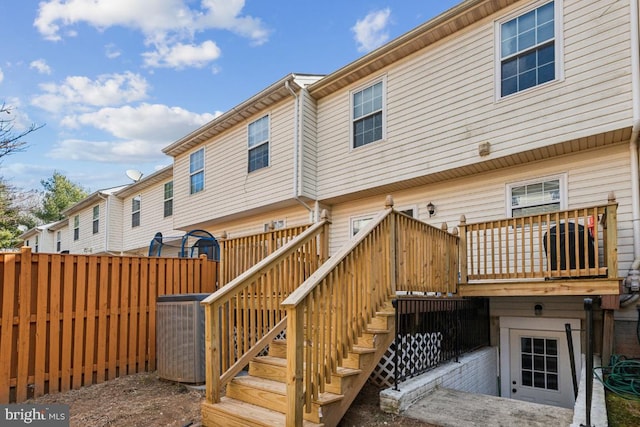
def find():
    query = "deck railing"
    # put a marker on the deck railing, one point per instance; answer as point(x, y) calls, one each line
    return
point(238, 254)
point(566, 244)
point(342, 296)
point(245, 315)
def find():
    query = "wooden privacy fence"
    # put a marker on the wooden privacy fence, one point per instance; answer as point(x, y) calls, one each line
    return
point(238, 254)
point(72, 320)
point(571, 243)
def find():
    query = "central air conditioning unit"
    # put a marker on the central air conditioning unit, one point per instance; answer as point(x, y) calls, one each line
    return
point(180, 347)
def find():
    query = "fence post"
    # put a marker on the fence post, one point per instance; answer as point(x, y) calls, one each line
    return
point(393, 253)
point(324, 237)
point(24, 323)
point(612, 236)
point(223, 267)
point(463, 249)
point(295, 343)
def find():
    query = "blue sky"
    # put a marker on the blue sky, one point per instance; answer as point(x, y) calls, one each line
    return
point(115, 81)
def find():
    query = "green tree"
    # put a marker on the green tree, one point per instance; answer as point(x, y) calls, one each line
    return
point(59, 194)
point(13, 220)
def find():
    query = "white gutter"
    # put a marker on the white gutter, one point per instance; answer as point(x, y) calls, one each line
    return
point(633, 143)
point(296, 149)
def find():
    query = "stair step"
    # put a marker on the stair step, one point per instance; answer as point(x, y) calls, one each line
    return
point(275, 368)
point(273, 395)
point(234, 413)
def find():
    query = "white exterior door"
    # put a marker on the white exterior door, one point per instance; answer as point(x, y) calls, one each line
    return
point(535, 364)
point(540, 368)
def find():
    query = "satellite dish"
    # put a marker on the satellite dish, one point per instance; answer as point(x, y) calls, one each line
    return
point(134, 175)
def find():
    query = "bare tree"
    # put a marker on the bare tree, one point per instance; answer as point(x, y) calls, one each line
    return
point(11, 141)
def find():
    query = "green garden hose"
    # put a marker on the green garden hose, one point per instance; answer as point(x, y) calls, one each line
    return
point(621, 377)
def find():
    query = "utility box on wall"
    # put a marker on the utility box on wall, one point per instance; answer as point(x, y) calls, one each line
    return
point(180, 347)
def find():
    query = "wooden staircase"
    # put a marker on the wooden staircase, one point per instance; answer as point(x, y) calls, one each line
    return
point(258, 397)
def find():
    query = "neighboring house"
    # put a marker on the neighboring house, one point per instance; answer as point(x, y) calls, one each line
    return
point(95, 223)
point(491, 110)
point(43, 238)
point(248, 167)
point(147, 209)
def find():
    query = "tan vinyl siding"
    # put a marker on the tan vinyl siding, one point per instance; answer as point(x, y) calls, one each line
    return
point(229, 188)
point(115, 224)
point(441, 103)
point(309, 146)
point(590, 175)
point(152, 220)
point(89, 243)
point(292, 216)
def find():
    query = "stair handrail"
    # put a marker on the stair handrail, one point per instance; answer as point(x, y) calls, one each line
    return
point(312, 364)
point(333, 306)
point(263, 286)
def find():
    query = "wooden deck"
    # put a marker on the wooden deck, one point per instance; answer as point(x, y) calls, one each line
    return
point(556, 287)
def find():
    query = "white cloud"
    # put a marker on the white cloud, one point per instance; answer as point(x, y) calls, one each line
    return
point(168, 25)
point(182, 55)
point(111, 51)
point(371, 31)
point(40, 65)
point(1, 75)
point(140, 132)
point(18, 117)
point(80, 92)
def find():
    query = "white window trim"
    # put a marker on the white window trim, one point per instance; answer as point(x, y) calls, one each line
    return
point(558, 41)
point(58, 241)
point(76, 226)
point(278, 224)
point(407, 207)
point(95, 219)
point(165, 199)
point(204, 176)
point(353, 219)
point(139, 211)
point(267, 141)
point(370, 83)
point(562, 178)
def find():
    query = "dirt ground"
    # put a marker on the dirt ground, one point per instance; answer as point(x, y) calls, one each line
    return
point(144, 400)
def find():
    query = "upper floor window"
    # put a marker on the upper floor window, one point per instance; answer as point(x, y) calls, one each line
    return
point(58, 241)
point(367, 114)
point(529, 52)
point(537, 196)
point(76, 227)
point(196, 171)
point(37, 243)
point(135, 211)
point(168, 199)
point(96, 219)
point(258, 144)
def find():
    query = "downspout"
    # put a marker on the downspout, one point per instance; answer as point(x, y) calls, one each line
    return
point(296, 150)
point(633, 143)
point(627, 299)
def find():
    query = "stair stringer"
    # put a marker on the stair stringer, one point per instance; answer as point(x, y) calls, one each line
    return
point(382, 342)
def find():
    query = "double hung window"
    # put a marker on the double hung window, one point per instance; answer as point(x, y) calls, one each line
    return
point(529, 49)
point(96, 219)
point(539, 196)
point(135, 211)
point(367, 112)
point(258, 144)
point(168, 199)
point(196, 171)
